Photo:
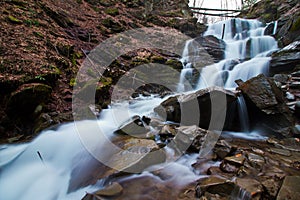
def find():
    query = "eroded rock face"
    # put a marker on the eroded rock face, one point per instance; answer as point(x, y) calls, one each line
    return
point(266, 104)
point(214, 46)
point(286, 59)
point(207, 108)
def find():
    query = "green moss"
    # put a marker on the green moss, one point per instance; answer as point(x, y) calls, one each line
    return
point(38, 34)
point(174, 63)
point(72, 82)
point(30, 22)
point(158, 59)
point(112, 11)
point(296, 24)
point(105, 81)
point(14, 20)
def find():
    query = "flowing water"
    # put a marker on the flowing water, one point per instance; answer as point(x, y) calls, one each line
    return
point(43, 168)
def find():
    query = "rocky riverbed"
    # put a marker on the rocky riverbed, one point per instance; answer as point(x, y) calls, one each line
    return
point(174, 155)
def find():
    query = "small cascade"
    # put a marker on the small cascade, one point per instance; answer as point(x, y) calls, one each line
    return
point(240, 194)
point(189, 54)
point(243, 114)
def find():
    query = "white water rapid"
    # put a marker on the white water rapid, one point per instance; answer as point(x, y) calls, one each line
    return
point(44, 168)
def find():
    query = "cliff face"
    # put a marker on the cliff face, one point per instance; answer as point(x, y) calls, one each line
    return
point(43, 43)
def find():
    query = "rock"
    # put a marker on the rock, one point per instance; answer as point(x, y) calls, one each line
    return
point(284, 61)
point(290, 188)
point(222, 149)
point(228, 167)
point(295, 85)
point(110, 190)
point(188, 138)
point(23, 102)
point(250, 186)
point(206, 108)
point(135, 127)
point(282, 152)
point(218, 172)
point(255, 160)
point(60, 17)
point(282, 78)
point(134, 155)
point(216, 185)
point(271, 187)
point(237, 160)
point(266, 105)
point(214, 46)
point(297, 109)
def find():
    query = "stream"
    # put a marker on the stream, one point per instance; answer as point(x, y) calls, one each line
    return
point(44, 168)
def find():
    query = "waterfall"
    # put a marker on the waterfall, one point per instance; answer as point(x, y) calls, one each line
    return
point(45, 167)
point(243, 114)
point(189, 54)
point(246, 46)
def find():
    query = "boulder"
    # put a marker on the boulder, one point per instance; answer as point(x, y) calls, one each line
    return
point(23, 102)
point(135, 127)
point(208, 108)
point(251, 187)
point(189, 138)
point(266, 105)
point(215, 185)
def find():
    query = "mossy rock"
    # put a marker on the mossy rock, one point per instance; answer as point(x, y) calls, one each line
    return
point(112, 11)
point(112, 25)
point(174, 63)
point(158, 59)
point(23, 101)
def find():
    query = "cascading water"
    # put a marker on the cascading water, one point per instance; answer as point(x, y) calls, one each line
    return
point(246, 53)
point(43, 168)
point(189, 53)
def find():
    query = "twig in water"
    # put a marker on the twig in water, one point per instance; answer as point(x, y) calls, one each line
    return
point(40, 156)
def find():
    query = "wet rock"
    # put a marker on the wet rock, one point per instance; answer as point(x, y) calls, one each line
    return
point(282, 78)
point(214, 46)
point(290, 188)
point(218, 172)
point(188, 138)
point(135, 127)
point(255, 160)
point(222, 149)
point(229, 167)
point(134, 155)
point(266, 104)
point(206, 108)
point(282, 152)
point(237, 160)
point(216, 185)
point(110, 190)
point(250, 186)
point(271, 187)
